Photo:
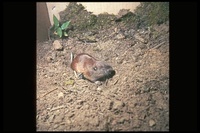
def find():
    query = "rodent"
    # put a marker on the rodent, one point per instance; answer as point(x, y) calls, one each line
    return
point(91, 68)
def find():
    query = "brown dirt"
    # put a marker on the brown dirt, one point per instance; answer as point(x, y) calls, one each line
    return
point(135, 99)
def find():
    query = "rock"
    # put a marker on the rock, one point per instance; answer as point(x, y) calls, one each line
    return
point(60, 95)
point(55, 126)
point(142, 46)
point(116, 30)
point(57, 45)
point(120, 36)
point(142, 116)
point(96, 49)
point(140, 39)
point(119, 60)
point(86, 106)
point(68, 122)
point(64, 74)
point(118, 105)
point(98, 83)
point(99, 88)
point(152, 123)
point(123, 119)
point(49, 59)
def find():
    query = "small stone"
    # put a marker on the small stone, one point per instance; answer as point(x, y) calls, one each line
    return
point(60, 95)
point(57, 45)
point(55, 126)
point(118, 105)
point(119, 61)
point(49, 59)
point(140, 39)
point(68, 122)
point(86, 106)
point(98, 83)
point(96, 49)
point(64, 74)
point(124, 119)
point(142, 46)
point(99, 88)
point(152, 123)
point(120, 36)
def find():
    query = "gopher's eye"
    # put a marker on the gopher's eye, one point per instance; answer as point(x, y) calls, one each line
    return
point(95, 68)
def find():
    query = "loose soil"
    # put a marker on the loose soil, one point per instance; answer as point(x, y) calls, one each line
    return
point(136, 98)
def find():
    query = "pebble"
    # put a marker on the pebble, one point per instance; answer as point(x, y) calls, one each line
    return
point(140, 39)
point(152, 123)
point(57, 45)
point(120, 36)
point(99, 88)
point(55, 126)
point(49, 59)
point(118, 104)
point(60, 95)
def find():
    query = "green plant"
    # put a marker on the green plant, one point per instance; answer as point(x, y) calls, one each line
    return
point(59, 29)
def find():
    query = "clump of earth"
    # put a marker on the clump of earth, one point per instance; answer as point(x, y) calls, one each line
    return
point(136, 98)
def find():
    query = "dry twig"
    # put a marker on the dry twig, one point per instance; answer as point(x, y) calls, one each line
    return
point(47, 93)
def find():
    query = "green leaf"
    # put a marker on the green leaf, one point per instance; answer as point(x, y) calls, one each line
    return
point(56, 22)
point(56, 27)
point(59, 31)
point(65, 34)
point(65, 25)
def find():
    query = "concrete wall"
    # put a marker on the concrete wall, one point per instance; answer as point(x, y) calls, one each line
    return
point(46, 10)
